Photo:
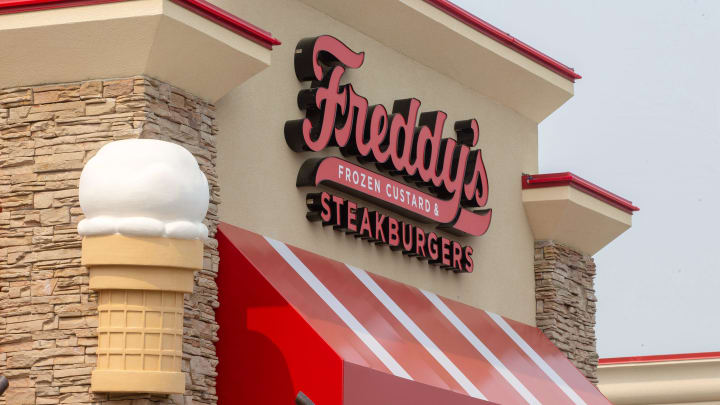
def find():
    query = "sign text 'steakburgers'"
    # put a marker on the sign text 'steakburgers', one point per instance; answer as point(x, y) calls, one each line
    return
point(452, 185)
point(382, 229)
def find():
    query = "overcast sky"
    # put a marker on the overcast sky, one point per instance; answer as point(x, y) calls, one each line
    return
point(645, 124)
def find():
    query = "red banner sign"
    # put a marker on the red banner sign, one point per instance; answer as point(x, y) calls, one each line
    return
point(353, 179)
point(403, 142)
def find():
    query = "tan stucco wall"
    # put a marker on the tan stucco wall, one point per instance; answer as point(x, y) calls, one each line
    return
point(694, 403)
point(154, 38)
point(564, 214)
point(258, 170)
point(678, 382)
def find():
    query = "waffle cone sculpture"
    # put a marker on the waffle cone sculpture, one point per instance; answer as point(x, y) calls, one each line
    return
point(144, 201)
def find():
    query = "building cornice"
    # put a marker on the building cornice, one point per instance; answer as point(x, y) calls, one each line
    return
point(189, 44)
point(680, 378)
point(563, 207)
point(200, 7)
point(504, 38)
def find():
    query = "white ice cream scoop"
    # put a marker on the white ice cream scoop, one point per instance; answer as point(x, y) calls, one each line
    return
point(143, 187)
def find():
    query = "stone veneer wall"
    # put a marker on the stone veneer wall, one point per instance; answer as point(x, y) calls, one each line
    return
point(565, 295)
point(48, 315)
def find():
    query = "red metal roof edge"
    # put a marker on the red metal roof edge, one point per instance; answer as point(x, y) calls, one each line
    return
point(200, 7)
point(505, 38)
point(21, 6)
point(569, 179)
point(230, 21)
point(264, 38)
point(660, 358)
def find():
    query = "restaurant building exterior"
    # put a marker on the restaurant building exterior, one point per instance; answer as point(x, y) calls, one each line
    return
point(345, 211)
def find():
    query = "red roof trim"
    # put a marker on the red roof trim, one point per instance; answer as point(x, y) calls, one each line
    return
point(21, 6)
point(569, 179)
point(200, 7)
point(660, 358)
point(505, 38)
point(229, 21)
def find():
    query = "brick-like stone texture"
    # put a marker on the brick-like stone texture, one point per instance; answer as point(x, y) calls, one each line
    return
point(48, 315)
point(566, 301)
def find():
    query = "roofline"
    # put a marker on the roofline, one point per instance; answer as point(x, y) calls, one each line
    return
point(264, 38)
point(568, 179)
point(22, 6)
point(504, 38)
point(230, 21)
point(199, 7)
point(659, 358)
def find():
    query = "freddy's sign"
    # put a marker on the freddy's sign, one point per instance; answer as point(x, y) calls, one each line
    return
point(449, 185)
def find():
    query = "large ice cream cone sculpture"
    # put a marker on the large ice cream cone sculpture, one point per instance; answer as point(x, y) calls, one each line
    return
point(144, 201)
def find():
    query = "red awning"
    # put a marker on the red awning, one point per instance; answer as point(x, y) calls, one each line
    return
point(293, 321)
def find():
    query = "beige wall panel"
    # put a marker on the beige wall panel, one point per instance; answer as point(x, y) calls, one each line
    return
point(187, 43)
point(155, 38)
point(694, 403)
point(448, 45)
point(565, 214)
point(671, 382)
point(258, 170)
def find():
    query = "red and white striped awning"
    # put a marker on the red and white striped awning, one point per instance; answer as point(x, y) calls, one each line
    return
point(292, 321)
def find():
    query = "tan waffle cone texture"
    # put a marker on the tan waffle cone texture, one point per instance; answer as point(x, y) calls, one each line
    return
point(140, 283)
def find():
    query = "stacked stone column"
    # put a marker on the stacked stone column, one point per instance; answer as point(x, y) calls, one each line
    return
point(49, 315)
point(566, 303)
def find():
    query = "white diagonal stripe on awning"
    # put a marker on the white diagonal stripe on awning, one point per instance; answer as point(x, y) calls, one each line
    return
point(313, 282)
point(481, 348)
point(417, 333)
point(536, 358)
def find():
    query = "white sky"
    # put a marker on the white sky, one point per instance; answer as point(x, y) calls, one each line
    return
point(645, 124)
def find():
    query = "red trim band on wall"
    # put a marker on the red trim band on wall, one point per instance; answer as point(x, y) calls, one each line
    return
point(660, 358)
point(569, 179)
point(21, 6)
point(200, 7)
point(229, 21)
point(504, 38)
